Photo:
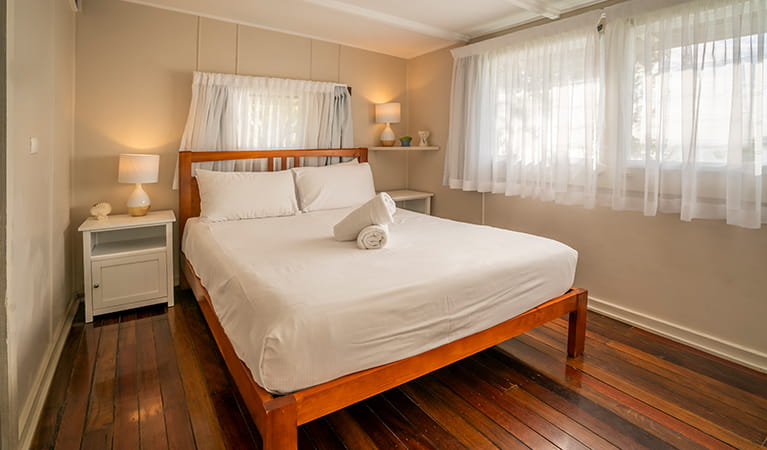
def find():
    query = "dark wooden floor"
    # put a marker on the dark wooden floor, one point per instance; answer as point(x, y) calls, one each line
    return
point(153, 378)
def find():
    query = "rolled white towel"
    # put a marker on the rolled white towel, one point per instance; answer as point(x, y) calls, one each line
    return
point(373, 237)
point(377, 211)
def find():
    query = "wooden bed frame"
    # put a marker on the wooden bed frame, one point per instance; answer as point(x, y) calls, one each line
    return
point(278, 416)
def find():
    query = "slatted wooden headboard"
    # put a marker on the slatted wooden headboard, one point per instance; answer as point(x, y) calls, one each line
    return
point(189, 193)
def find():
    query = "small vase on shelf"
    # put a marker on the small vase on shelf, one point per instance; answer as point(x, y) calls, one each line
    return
point(405, 141)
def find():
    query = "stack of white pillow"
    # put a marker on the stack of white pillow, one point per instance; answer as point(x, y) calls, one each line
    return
point(251, 195)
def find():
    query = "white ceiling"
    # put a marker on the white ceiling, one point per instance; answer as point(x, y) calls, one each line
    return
point(404, 28)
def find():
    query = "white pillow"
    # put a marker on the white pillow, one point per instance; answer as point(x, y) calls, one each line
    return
point(351, 162)
point(336, 186)
point(245, 195)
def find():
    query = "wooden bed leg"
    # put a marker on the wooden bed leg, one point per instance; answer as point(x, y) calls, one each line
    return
point(281, 431)
point(576, 332)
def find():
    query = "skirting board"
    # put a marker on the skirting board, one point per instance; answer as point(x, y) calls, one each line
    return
point(33, 408)
point(751, 358)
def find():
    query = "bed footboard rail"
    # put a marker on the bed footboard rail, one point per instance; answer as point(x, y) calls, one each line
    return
point(326, 398)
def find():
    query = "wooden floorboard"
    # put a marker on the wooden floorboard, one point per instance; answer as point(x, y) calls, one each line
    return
point(153, 378)
point(126, 426)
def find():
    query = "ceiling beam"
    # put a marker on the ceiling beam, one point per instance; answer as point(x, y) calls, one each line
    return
point(541, 7)
point(395, 21)
point(503, 23)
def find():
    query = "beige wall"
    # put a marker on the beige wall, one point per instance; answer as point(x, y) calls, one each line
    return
point(705, 278)
point(134, 74)
point(40, 100)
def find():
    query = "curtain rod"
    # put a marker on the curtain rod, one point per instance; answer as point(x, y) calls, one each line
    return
point(201, 73)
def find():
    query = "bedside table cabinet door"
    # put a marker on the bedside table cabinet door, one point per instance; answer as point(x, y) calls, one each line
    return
point(132, 279)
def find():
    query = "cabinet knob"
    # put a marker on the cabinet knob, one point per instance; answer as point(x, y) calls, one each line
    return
point(96, 285)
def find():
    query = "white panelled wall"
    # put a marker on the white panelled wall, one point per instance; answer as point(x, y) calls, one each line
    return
point(39, 304)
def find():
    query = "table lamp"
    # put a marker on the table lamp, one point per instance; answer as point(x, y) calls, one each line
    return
point(387, 113)
point(138, 169)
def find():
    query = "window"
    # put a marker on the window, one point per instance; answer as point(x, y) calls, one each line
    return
point(663, 112)
point(679, 91)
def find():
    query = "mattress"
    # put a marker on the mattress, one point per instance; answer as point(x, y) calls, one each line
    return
point(301, 308)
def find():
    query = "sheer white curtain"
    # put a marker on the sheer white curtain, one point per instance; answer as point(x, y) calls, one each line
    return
point(236, 112)
point(691, 109)
point(663, 112)
point(525, 119)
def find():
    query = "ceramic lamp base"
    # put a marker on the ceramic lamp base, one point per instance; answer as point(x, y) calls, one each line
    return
point(138, 202)
point(388, 137)
point(137, 211)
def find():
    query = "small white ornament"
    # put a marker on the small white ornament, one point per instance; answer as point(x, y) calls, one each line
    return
point(424, 135)
point(101, 210)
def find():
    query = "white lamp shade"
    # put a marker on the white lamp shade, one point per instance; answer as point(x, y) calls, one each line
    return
point(138, 168)
point(387, 113)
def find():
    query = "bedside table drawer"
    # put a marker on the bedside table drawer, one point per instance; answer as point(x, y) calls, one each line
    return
point(130, 279)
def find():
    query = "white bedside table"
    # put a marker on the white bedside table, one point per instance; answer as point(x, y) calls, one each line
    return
point(406, 196)
point(127, 261)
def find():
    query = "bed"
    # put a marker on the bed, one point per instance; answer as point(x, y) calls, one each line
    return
point(420, 294)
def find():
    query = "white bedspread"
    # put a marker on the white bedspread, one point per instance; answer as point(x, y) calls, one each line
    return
point(301, 308)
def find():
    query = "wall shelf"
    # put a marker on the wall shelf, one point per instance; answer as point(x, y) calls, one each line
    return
point(404, 149)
